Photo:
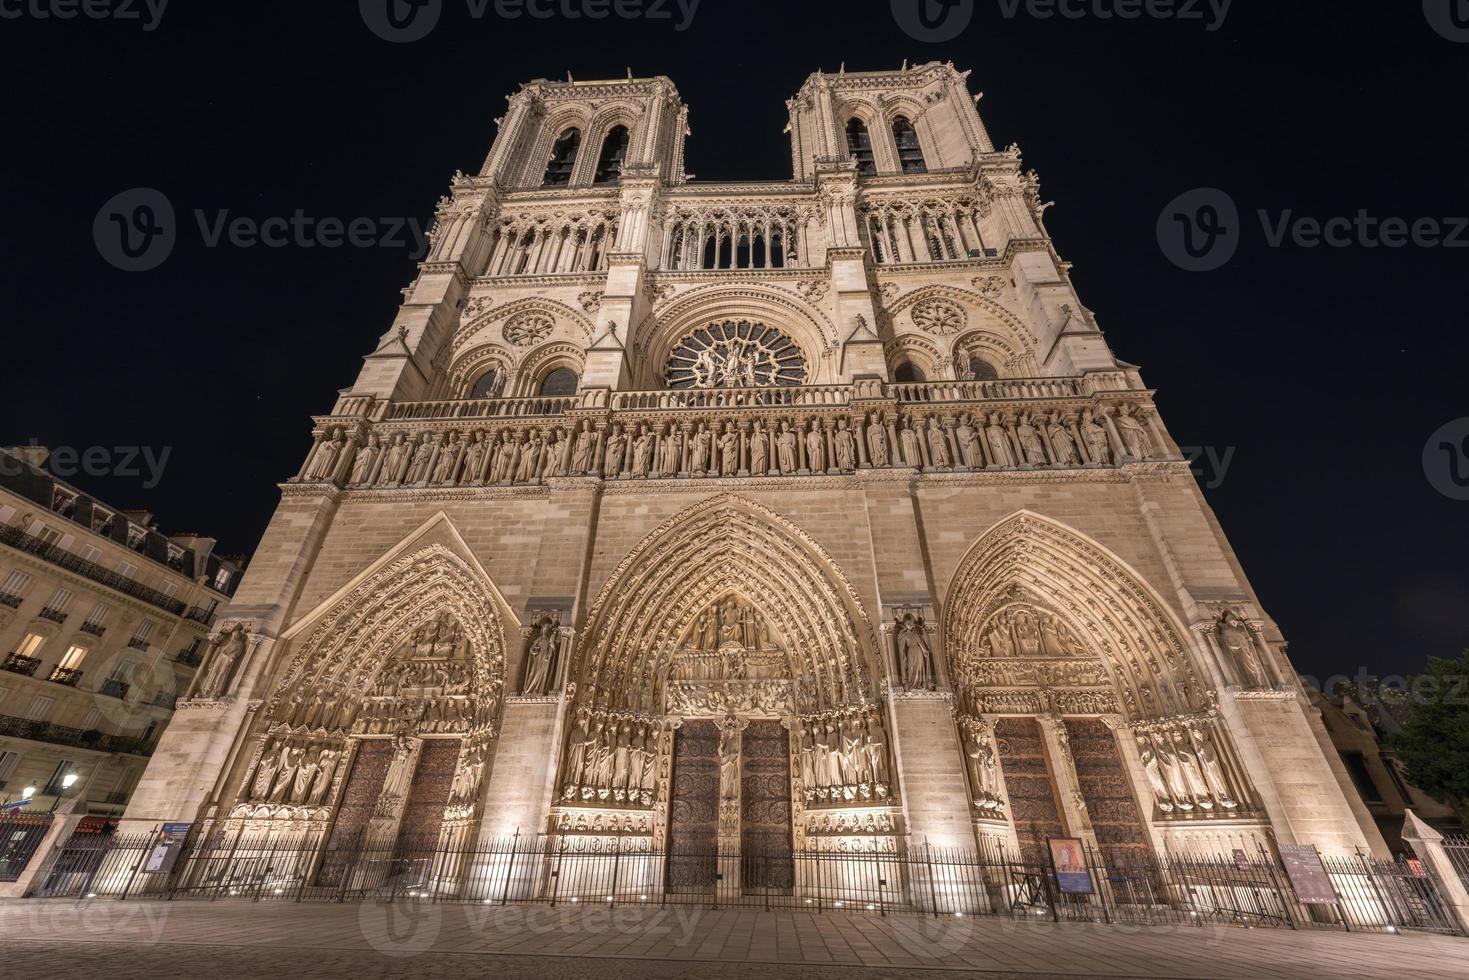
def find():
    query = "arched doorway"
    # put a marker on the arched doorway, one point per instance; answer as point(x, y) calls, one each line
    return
point(726, 703)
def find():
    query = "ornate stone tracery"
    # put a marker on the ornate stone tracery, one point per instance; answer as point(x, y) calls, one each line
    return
point(735, 354)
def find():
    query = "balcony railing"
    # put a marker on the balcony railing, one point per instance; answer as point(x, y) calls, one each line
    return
point(484, 408)
point(54, 615)
point(45, 731)
point(16, 538)
point(66, 676)
point(93, 629)
point(190, 657)
point(19, 664)
point(202, 616)
point(137, 643)
point(114, 689)
point(162, 699)
point(773, 397)
point(10, 599)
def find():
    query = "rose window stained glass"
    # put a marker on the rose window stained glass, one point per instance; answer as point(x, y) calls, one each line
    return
point(735, 354)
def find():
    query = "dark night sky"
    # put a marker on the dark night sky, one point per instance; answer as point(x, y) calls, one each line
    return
point(1325, 370)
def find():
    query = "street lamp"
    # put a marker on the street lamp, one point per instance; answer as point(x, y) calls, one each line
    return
point(67, 782)
point(28, 792)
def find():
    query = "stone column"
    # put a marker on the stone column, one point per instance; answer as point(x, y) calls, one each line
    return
point(1429, 846)
point(730, 739)
point(1068, 785)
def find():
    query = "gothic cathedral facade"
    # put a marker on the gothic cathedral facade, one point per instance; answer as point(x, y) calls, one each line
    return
point(803, 515)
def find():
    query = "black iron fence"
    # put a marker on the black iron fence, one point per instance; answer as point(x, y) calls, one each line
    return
point(1457, 848)
point(20, 836)
point(1372, 894)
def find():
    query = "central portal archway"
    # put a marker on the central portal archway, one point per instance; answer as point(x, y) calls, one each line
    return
point(725, 705)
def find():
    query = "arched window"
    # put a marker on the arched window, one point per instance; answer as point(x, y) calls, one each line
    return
point(982, 370)
point(563, 158)
point(614, 151)
point(489, 385)
point(859, 145)
point(908, 372)
point(910, 154)
point(562, 381)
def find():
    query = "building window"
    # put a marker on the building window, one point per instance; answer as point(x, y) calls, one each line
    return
point(910, 154)
point(92, 721)
point(859, 145)
point(982, 370)
point(40, 706)
point(30, 645)
point(222, 579)
point(8, 762)
point(73, 658)
point(90, 554)
point(560, 382)
point(614, 151)
point(1357, 765)
point(139, 640)
point(908, 373)
point(15, 584)
point(126, 570)
point(563, 158)
point(489, 385)
point(48, 535)
point(56, 785)
point(169, 589)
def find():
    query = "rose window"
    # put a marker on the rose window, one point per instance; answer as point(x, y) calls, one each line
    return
point(735, 354)
point(528, 328)
point(939, 317)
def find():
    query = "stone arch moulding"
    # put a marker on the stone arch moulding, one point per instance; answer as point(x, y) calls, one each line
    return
point(481, 327)
point(1099, 596)
point(812, 332)
point(469, 366)
point(550, 128)
point(999, 350)
point(541, 361)
point(988, 309)
point(726, 544)
point(920, 352)
point(350, 634)
point(602, 122)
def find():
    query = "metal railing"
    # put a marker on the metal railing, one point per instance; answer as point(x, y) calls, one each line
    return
point(1457, 848)
point(19, 664)
point(45, 731)
point(1254, 890)
point(20, 836)
point(65, 675)
point(16, 538)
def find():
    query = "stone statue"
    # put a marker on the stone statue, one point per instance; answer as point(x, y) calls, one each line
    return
point(542, 655)
point(616, 448)
point(983, 770)
point(1193, 772)
point(1148, 756)
point(877, 441)
point(474, 459)
point(448, 459)
point(938, 444)
point(729, 451)
point(324, 463)
point(621, 757)
point(759, 451)
point(400, 774)
point(291, 759)
point(397, 460)
point(326, 769)
point(816, 448)
point(642, 452)
point(845, 447)
point(672, 460)
point(968, 440)
point(785, 446)
point(699, 450)
point(729, 760)
point(908, 439)
point(877, 756)
point(581, 456)
point(999, 442)
point(1063, 447)
point(265, 773)
point(1213, 771)
point(228, 652)
point(1239, 644)
point(555, 454)
point(366, 456)
point(914, 655)
point(1134, 436)
point(422, 456)
point(530, 458)
point(576, 757)
point(1030, 442)
point(1095, 438)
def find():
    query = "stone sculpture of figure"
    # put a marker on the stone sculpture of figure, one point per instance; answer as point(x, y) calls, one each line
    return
point(806, 747)
point(1063, 447)
point(265, 772)
point(785, 447)
point(366, 456)
point(1030, 442)
point(914, 655)
point(968, 440)
point(759, 451)
point(621, 756)
point(877, 756)
point(542, 654)
point(938, 443)
point(642, 452)
point(326, 769)
point(844, 447)
point(1240, 645)
point(1095, 438)
point(820, 757)
point(554, 454)
point(672, 454)
point(1134, 437)
point(1172, 774)
point(908, 440)
point(854, 753)
point(474, 458)
point(581, 455)
point(699, 449)
point(616, 450)
point(576, 757)
point(1148, 756)
point(729, 451)
point(227, 653)
point(1213, 771)
point(833, 754)
point(530, 458)
point(877, 440)
point(444, 469)
point(999, 442)
point(1193, 772)
point(816, 448)
point(418, 469)
point(305, 775)
point(647, 780)
point(324, 463)
point(392, 471)
point(291, 759)
point(729, 761)
point(635, 753)
point(400, 773)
